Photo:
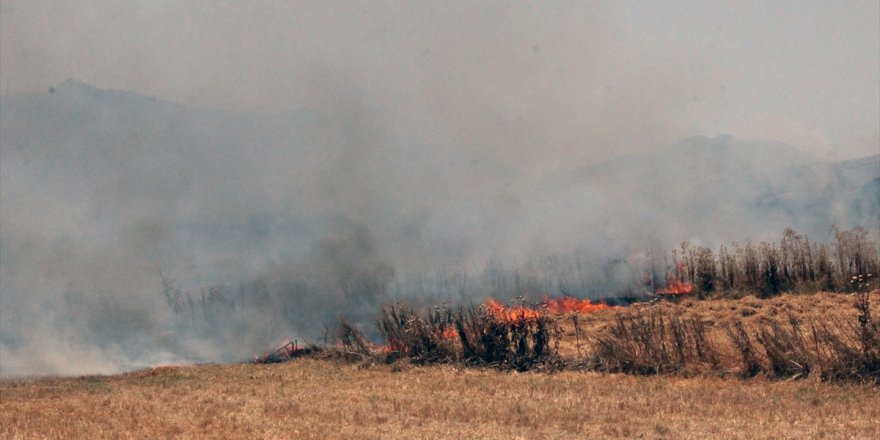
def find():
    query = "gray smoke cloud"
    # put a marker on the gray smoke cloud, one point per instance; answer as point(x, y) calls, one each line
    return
point(229, 176)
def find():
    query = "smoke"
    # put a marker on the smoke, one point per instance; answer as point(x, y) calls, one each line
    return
point(362, 156)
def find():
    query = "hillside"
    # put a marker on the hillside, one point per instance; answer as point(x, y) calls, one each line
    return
point(724, 187)
point(233, 183)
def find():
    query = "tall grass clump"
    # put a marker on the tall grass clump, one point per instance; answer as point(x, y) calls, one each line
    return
point(793, 264)
point(851, 351)
point(659, 341)
point(471, 335)
point(786, 348)
point(742, 342)
point(427, 337)
point(521, 344)
point(352, 339)
point(653, 343)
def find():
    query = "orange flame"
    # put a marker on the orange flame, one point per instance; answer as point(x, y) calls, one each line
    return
point(567, 304)
point(510, 314)
point(676, 287)
point(674, 284)
point(552, 306)
point(450, 333)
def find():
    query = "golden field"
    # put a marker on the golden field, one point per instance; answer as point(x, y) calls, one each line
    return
point(323, 398)
point(317, 399)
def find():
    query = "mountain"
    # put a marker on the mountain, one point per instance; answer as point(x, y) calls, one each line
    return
point(121, 164)
point(723, 188)
point(231, 185)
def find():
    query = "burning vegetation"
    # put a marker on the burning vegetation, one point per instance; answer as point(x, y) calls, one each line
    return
point(644, 339)
point(794, 264)
point(656, 337)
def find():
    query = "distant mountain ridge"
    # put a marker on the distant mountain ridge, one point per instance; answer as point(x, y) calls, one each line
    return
point(726, 181)
point(721, 187)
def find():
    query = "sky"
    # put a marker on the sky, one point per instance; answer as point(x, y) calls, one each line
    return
point(621, 76)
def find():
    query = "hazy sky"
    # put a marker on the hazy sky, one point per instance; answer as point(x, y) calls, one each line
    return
point(620, 75)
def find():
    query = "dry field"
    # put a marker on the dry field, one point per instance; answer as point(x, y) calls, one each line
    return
point(325, 399)
point(314, 398)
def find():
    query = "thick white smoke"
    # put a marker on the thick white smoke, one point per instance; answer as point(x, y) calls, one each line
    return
point(364, 154)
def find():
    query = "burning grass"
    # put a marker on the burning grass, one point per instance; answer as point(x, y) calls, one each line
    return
point(829, 337)
point(379, 395)
point(794, 264)
point(517, 337)
point(522, 336)
point(659, 339)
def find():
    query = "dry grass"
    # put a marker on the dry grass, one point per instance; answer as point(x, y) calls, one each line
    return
point(308, 398)
point(817, 336)
point(315, 398)
point(822, 306)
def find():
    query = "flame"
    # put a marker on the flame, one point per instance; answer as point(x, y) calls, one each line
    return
point(450, 333)
point(510, 314)
point(674, 285)
point(551, 306)
point(567, 304)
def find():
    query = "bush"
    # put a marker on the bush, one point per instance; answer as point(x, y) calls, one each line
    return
point(786, 350)
point(424, 339)
point(651, 343)
point(472, 335)
point(521, 343)
point(737, 334)
point(795, 263)
point(352, 339)
point(657, 342)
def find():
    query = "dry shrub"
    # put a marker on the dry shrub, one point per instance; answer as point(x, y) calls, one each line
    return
point(786, 349)
point(794, 264)
point(424, 338)
point(651, 343)
point(659, 342)
point(833, 352)
point(352, 339)
point(850, 351)
point(839, 351)
point(470, 335)
point(741, 340)
point(521, 344)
